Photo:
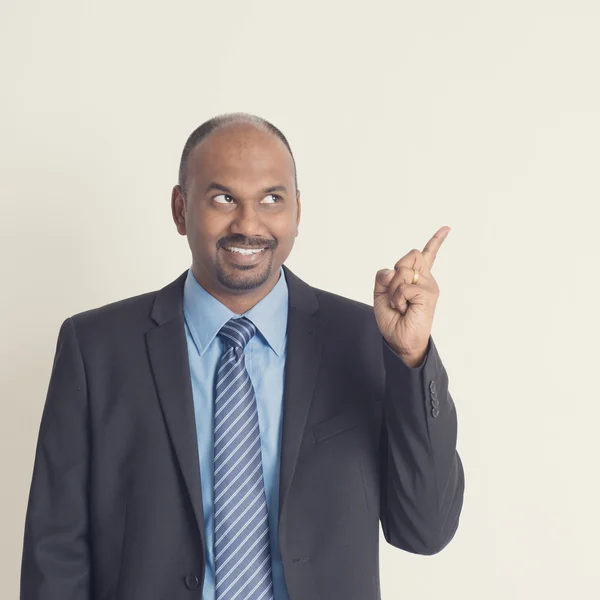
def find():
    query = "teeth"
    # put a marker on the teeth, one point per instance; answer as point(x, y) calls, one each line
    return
point(244, 250)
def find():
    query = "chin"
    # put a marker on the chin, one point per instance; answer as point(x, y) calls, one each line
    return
point(242, 277)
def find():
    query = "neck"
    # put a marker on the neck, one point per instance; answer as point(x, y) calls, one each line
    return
point(238, 301)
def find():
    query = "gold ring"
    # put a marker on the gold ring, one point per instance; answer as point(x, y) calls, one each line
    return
point(415, 276)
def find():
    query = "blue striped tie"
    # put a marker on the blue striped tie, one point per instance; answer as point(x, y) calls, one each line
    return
point(242, 549)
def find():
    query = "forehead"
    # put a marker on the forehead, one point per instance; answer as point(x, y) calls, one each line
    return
point(240, 154)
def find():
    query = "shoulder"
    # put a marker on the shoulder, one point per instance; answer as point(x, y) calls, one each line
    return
point(347, 316)
point(334, 303)
point(116, 319)
point(333, 310)
point(351, 337)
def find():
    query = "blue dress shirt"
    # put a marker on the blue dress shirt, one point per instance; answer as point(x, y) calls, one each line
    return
point(265, 361)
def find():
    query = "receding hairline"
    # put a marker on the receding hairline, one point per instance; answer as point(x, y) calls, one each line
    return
point(226, 121)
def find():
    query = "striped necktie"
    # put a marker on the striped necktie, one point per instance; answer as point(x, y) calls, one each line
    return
point(242, 548)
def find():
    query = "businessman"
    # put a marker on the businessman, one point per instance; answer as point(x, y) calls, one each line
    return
point(240, 434)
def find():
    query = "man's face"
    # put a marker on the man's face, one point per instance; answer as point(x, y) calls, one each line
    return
point(240, 196)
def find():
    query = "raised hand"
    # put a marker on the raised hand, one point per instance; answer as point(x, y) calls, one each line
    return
point(404, 310)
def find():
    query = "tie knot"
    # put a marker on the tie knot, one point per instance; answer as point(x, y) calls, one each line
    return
point(238, 332)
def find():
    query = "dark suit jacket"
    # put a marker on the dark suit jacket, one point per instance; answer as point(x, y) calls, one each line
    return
point(115, 507)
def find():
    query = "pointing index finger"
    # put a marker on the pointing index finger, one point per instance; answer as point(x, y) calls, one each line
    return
point(433, 245)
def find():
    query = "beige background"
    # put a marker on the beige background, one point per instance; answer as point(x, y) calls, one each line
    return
point(403, 116)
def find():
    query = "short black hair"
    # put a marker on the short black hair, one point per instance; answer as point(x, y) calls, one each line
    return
point(218, 122)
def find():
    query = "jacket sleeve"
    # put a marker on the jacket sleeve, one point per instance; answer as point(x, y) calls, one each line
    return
point(56, 554)
point(422, 476)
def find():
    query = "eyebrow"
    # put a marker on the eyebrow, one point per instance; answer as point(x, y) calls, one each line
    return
point(213, 185)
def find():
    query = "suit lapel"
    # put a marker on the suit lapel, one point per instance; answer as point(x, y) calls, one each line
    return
point(303, 352)
point(167, 349)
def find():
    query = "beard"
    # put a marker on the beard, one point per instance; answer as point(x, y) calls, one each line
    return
point(244, 277)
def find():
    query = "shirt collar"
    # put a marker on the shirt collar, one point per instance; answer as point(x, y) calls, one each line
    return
point(205, 315)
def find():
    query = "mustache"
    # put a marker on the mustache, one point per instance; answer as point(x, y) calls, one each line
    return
point(241, 241)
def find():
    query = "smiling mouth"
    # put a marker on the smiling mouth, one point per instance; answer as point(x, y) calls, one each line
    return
point(244, 251)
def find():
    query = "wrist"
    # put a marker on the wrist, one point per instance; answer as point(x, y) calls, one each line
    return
point(413, 361)
point(410, 359)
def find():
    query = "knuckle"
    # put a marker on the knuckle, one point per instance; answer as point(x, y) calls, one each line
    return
point(406, 273)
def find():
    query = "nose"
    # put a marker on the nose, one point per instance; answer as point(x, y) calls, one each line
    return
point(247, 221)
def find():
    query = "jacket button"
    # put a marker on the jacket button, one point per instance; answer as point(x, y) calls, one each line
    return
point(192, 582)
point(434, 412)
point(435, 402)
point(432, 387)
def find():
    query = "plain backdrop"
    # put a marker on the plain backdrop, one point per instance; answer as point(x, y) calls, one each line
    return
point(403, 117)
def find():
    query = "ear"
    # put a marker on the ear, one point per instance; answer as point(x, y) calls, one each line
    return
point(299, 210)
point(178, 206)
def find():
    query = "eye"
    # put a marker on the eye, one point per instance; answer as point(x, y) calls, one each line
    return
point(277, 198)
point(226, 196)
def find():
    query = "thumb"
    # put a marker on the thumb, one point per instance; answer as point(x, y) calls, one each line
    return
point(382, 281)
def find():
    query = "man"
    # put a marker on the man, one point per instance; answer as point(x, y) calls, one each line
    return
point(239, 434)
